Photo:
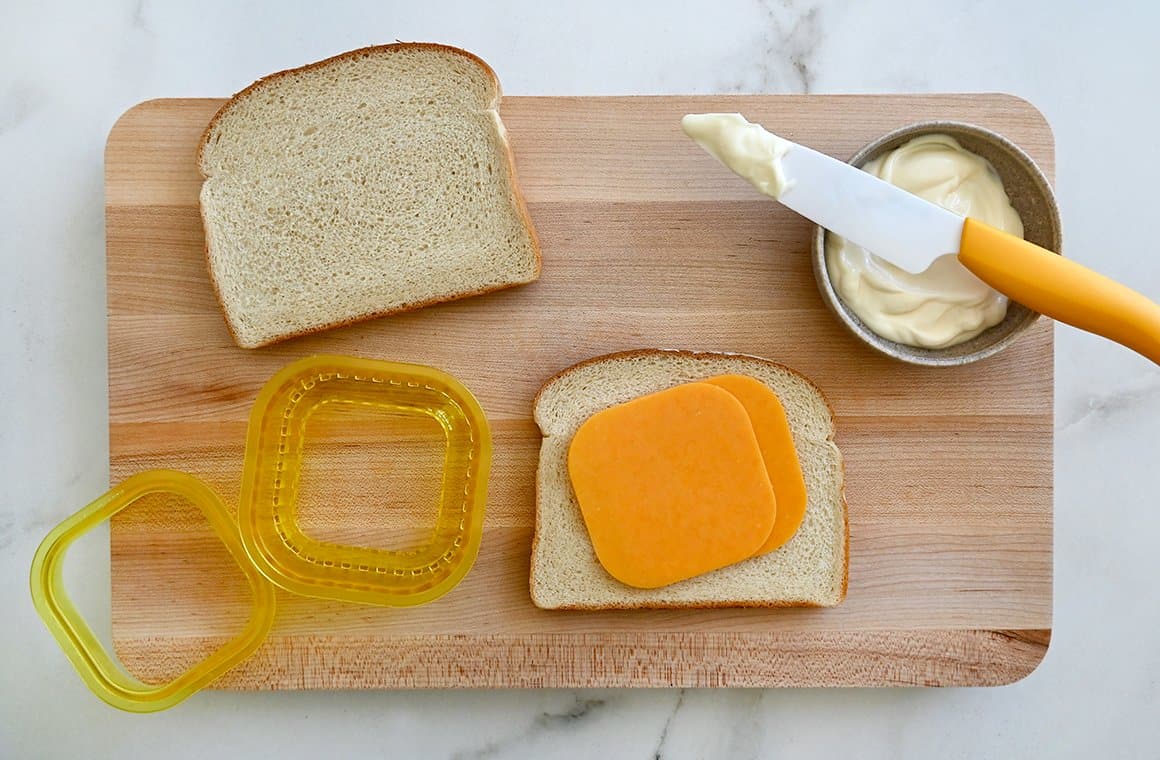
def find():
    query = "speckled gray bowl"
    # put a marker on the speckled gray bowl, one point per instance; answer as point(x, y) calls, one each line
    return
point(1032, 197)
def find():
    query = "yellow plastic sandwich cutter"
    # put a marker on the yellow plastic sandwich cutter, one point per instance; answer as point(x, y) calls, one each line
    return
point(97, 667)
point(275, 542)
point(267, 542)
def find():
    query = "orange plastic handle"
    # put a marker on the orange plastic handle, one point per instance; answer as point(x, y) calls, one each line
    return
point(1061, 289)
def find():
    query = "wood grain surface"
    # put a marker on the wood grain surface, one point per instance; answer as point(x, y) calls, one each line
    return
point(647, 242)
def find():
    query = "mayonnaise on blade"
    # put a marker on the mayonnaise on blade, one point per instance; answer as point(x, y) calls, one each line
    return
point(744, 147)
point(946, 304)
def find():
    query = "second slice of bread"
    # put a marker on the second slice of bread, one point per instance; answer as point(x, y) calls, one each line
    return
point(370, 183)
point(809, 570)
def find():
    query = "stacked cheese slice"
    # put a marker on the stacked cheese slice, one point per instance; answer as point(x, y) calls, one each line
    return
point(687, 480)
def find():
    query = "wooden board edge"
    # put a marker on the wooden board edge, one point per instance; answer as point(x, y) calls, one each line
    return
point(130, 114)
point(656, 660)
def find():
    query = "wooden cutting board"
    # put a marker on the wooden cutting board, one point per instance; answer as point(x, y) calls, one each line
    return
point(647, 242)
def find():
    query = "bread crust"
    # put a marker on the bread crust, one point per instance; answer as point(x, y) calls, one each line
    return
point(697, 355)
point(517, 193)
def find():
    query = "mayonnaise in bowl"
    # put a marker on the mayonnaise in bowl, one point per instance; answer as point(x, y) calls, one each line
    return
point(946, 305)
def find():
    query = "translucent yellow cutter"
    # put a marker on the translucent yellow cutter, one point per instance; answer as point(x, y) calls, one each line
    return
point(96, 666)
point(268, 543)
point(268, 512)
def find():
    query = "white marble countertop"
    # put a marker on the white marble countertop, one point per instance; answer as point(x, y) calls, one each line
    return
point(69, 70)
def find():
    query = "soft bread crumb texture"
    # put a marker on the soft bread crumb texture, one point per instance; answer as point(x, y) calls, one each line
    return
point(809, 570)
point(371, 183)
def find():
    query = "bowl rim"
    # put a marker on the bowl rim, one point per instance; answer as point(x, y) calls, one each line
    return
point(915, 354)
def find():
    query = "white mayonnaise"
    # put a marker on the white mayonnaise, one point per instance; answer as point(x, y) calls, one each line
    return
point(745, 148)
point(946, 304)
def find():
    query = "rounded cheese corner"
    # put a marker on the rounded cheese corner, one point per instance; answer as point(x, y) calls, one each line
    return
point(775, 440)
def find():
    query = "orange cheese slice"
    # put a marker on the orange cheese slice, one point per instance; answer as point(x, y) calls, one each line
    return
point(672, 485)
point(776, 443)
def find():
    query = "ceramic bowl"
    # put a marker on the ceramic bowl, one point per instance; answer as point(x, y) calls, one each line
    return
point(1030, 194)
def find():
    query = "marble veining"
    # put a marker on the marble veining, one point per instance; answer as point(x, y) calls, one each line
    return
point(579, 710)
point(139, 19)
point(1122, 397)
point(659, 753)
point(17, 103)
point(71, 68)
point(797, 33)
point(7, 529)
point(785, 46)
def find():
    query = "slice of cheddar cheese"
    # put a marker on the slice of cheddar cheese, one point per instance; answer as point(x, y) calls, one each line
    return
point(672, 485)
point(776, 444)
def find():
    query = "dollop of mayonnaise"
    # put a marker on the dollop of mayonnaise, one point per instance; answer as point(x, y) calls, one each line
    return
point(744, 147)
point(946, 304)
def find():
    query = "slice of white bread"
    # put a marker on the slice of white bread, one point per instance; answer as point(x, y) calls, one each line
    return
point(374, 182)
point(809, 570)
